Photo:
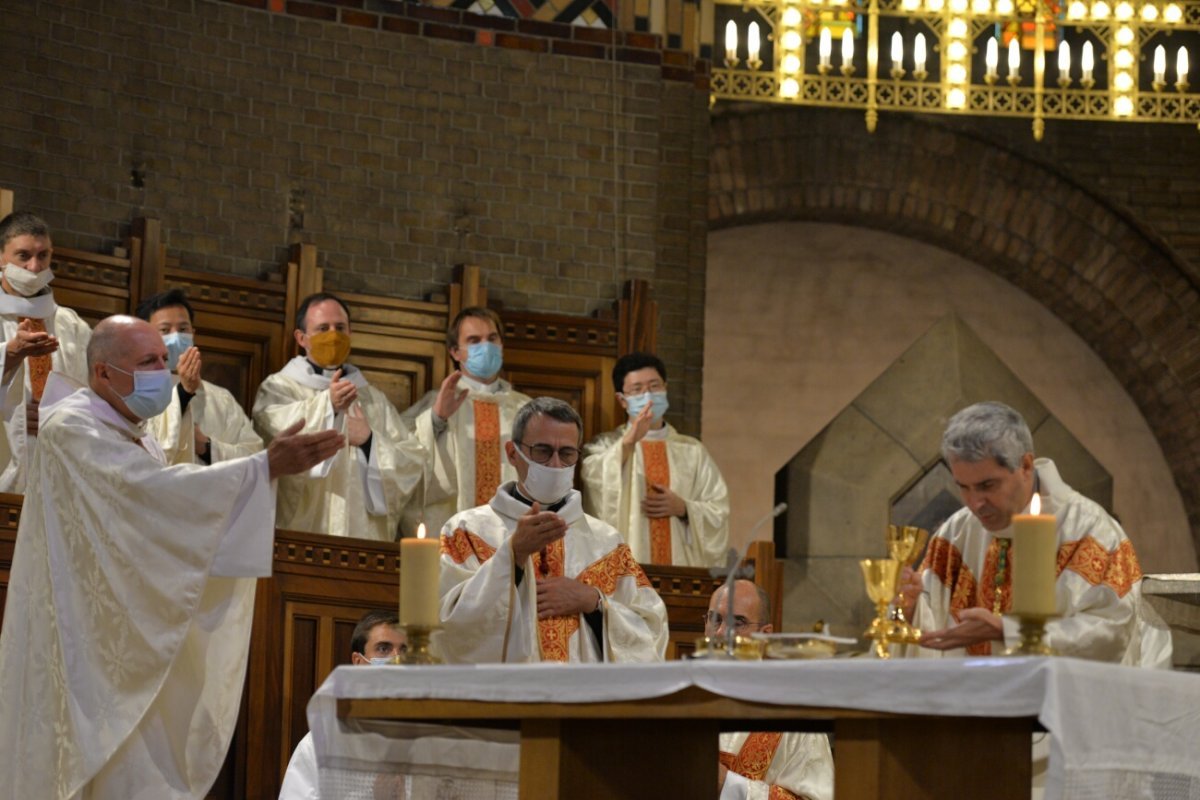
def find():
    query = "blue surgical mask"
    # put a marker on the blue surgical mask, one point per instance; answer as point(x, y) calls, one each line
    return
point(484, 359)
point(177, 344)
point(638, 402)
point(151, 392)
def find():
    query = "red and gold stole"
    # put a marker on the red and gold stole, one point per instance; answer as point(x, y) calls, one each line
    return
point(754, 759)
point(658, 470)
point(487, 450)
point(39, 366)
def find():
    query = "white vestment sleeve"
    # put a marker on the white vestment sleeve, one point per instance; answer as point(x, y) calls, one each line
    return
point(247, 548)
point(737, 787)
point(372, 479)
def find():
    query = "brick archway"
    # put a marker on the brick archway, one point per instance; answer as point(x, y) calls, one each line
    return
point(1119, 287)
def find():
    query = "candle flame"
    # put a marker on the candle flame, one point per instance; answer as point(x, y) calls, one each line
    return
point(421, 530)
point(1035, 505)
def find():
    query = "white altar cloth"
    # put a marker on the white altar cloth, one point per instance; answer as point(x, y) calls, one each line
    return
point(1116, 731)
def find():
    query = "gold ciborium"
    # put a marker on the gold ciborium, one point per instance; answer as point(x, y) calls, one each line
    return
point(905, 543)
point(881, 576)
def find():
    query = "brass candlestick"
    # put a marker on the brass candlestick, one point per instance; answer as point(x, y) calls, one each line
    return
point(1033, 636)
point(418, 652)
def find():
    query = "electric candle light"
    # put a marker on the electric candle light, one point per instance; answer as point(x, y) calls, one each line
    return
point(847, 46)
point(919, 52)
point(731, 43)
point(897, 50)
point(1034, 562)
point(1160, 63)
point(419, 572)
point(825, 47)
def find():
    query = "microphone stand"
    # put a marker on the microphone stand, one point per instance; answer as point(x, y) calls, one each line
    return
point(734, 560)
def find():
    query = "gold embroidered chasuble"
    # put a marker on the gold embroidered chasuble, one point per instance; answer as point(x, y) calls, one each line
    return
point(1098, 588)
point(488, 617)
point(70, 359)
point(128, 616)
point(777, 766)
point(459, 475)
point(613, 492)
point(351, 494)
point(220, 417)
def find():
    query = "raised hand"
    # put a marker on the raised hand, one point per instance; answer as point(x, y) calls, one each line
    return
point(341, 393)
point(535, 530)
point(292, 452)
point(188, 370)
point(449, 397)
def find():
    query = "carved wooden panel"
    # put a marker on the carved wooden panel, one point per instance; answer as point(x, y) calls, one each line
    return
point(581, 379)
point(93, 285)
point(399, 345)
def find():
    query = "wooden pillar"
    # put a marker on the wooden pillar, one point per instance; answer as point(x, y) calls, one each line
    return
point(6, 202)
point(637, 314)
point(148, 260)
point(303, 278)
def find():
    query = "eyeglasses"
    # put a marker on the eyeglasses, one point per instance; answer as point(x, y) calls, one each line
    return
point(542, 453)
point(637, 388)
point(714, 620)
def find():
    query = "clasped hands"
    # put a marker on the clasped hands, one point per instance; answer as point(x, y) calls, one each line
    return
point(343, 396)
point(972, 625)
point(556, 596)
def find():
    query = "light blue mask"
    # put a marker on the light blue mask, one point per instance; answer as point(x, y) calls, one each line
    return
point(177, 344)
point(638, 402)
point(151, 392)
point(484, 359)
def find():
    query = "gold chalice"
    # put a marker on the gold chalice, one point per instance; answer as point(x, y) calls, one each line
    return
point(881, 576)
point(905, 543)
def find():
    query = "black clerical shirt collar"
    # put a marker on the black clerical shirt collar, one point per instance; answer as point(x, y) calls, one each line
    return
point(515, 492)
point(317, 369)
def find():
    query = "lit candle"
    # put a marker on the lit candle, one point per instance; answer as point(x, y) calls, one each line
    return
point(897, 50)
point(825, 46)
point(1181, 65)
point(1087, 61)
point(731, 41)
point(1064, 59)
point(1034, 562)
point(991, 56)
point(1014, 57)
point(919, 52)
point(1160, 63)
point(847, 46)
point(752, 42)
point(419, 571)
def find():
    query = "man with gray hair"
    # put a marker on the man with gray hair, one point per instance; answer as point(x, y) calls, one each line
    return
point(530, 577)
point(964, 587)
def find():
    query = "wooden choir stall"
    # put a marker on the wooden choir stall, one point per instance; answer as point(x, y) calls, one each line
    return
point(305, 613)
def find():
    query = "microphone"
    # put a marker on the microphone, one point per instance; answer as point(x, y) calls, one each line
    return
point(736, 558)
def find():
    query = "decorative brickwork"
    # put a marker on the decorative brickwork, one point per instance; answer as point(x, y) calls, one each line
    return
point(1098, 223)
point(400, 138)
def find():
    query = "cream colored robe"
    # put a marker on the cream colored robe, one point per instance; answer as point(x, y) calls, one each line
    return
point(799, 765)
point(221, 419)
point(448, 484)
point(349, 494)
point(1098, 590)
point(487, 617)
point(123, 652)
point(70, 358)
point(613, 492)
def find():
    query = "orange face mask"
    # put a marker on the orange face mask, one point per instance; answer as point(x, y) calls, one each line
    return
point(329, 349)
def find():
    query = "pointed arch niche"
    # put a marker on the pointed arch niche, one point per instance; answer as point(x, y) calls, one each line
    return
point(802, 318)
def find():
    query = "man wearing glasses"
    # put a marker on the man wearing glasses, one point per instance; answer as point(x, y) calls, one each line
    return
point(530, 577)
point(766, 764)
point(659, 487)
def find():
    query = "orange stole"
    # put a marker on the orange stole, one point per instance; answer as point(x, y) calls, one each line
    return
point(658, 470)
point(39, 366)
point(1118, 570)
point(754, 759)
point(554, 634)
point(462, 544)
point(487, 450)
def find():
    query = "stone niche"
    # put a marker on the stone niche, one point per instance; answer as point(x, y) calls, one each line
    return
point(879, 462)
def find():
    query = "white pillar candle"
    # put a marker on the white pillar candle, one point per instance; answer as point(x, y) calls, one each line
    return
point(419, 571)
point(1034, 562)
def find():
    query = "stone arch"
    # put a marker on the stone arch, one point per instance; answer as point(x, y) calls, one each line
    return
point(1112, 281)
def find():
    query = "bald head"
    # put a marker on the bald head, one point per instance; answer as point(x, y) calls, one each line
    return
point(750, 602)
point(119, 347)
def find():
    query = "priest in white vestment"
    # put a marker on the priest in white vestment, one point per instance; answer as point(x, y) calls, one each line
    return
point(530, 577)
point(965, 584)
point(203, 424)
point(660, 488)
point(127, 622)
point(364, 490)
point(765, 765)
point(39, 336)
point(463, 425)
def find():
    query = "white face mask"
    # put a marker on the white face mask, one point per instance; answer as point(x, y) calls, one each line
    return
point(545, 484)
point(24, 282)
point(381, 660)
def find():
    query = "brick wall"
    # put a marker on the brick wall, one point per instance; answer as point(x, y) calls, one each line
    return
point(1099, 223)
point(406, 141)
